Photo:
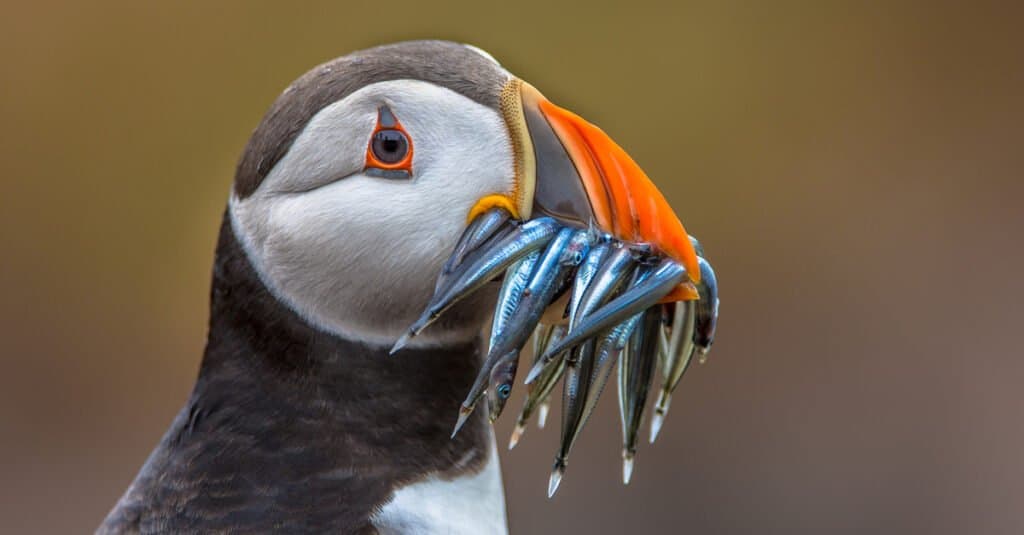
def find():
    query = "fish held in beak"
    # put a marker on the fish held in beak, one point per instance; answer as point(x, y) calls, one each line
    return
point(642, 295)
point(678, 355)
point(538, 391)
point(706, 321)
point(587, 244)
point(522, 305)
point(636, 371)
point(691, 333)
point(481, 229)
point(502, 376)
point(482, 267)
point(603, 283)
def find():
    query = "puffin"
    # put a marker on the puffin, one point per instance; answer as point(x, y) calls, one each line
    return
point(347, 199)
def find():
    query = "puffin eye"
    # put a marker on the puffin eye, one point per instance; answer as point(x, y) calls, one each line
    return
point(390, 146)
point(389, 153)
point(504, 391)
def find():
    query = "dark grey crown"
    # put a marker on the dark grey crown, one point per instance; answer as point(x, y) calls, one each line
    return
point(451, 65)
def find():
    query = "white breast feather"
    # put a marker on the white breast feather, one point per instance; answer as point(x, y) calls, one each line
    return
point(469, 505)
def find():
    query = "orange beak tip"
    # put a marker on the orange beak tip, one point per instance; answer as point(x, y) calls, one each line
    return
point(685, 291)
point(689, 261)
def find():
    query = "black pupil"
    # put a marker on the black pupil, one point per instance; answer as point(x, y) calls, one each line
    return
point(504, 390)
point(390, 146)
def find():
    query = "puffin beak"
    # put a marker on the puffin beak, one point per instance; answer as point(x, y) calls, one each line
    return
point(578, 175)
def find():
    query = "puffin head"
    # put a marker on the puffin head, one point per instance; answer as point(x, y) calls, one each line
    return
point(359, 180)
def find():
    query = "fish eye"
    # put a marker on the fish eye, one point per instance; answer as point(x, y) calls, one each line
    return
point(577, 257)
point(390, 146)
point(504, 391)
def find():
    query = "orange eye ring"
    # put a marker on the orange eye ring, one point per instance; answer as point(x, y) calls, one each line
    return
point(389, 151)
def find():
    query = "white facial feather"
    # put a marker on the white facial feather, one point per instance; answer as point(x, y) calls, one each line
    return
point(356, 254)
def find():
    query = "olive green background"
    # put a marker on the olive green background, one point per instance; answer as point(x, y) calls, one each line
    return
point(854, 170)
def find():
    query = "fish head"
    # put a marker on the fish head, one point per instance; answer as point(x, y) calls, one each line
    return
point(502, 377)
point(576, 250)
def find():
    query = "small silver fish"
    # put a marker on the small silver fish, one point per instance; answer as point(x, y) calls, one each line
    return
point(485, 266)
point(538, 391)
point(516, 279)
point(609, 349)
point(541, 336)
point(479, 230)
point(577, 374)
point(563, 253)
point(583, 388)
point(444, 279)
point(666, 326)
point(636, 370)
point(640, 296)
point(503, 374)
point(584, 275)
point(609, 277)
point(679, 354)
point(692, 333)
point(512, 289)
point(616, 264)
point(587, 371)
point(707, 310)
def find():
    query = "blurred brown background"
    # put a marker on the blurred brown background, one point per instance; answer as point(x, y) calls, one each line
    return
point(853, 170)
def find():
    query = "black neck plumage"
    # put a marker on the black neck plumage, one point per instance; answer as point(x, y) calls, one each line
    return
point(288, 423)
